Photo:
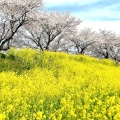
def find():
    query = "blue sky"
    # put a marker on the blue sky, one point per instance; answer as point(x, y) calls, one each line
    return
point(98, 13)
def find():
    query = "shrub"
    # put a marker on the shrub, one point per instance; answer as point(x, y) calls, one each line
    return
point(2, 55)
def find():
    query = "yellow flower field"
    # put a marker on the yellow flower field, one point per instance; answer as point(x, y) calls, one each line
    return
point(36, 85)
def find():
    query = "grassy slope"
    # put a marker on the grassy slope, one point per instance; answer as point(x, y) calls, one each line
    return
point(48, 85)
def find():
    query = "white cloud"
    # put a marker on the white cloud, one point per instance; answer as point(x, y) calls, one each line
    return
point(93, 18)
point(50, 3)
point(108, 12)
point(94, 12)
point(96, 25)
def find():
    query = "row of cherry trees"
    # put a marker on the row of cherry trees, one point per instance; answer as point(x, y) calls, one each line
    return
point(101, 44)
point(25, 23)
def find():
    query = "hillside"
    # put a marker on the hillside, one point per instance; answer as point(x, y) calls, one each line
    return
point(36, 85)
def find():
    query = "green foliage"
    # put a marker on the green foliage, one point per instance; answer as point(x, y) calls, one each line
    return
point(2, 55)
point(11, 57)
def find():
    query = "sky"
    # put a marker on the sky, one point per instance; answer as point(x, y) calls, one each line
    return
point(97, 14)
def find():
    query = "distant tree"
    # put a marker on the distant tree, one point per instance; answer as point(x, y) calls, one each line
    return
point(82, 40)
point(13, 15)
point(47, 33)
point(106, 43)
point(115, 53)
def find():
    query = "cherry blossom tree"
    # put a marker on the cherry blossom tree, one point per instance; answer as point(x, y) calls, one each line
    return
point(106, 43)
point(13, 15)
point(82, 40)
point(50, 28)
